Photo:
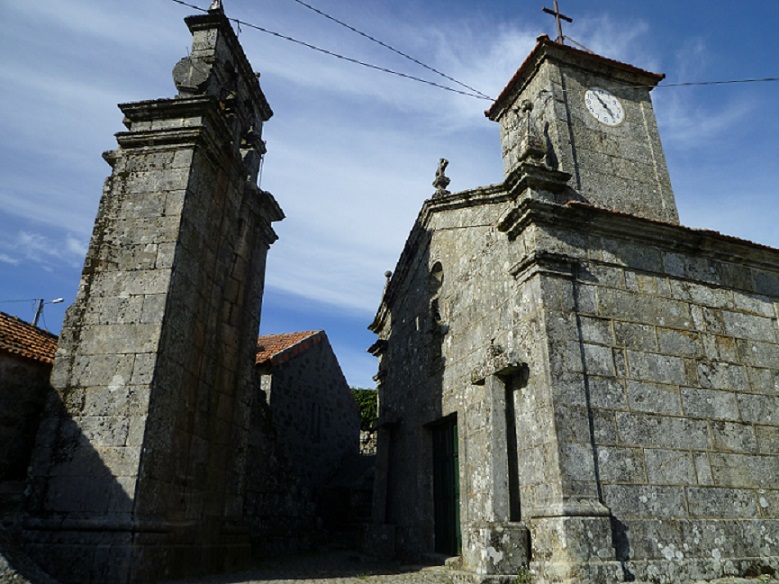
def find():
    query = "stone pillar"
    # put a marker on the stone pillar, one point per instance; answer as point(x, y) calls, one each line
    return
point(138, 471)
point(492, 542)
point(570, 526)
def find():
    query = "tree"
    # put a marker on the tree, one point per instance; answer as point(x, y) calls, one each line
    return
point(367, 400)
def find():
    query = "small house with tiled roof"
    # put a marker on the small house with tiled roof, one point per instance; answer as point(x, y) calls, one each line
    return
point(26, 358)
point(313, 411)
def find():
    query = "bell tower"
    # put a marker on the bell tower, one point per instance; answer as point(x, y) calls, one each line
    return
point(595, 117)
point(139, 470)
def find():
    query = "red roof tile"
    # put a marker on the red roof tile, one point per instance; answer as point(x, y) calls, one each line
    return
point(21, 338)
point(273, 349)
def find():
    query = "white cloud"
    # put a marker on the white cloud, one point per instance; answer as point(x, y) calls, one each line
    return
point(620, 40)
point(687, 123)
point(48, 252)
point(6, 259)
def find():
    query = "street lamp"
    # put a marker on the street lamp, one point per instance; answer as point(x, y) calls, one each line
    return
point(39, 309)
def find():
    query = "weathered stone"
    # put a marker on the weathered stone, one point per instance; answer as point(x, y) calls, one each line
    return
point(621, 465)
point(613, 381)
point(663, 431)
point(730, 436)
point(705, 403)
point(140, 470)
point(721, 503)
point(669, 467)
point(658, 368)
point(761, 409)
point(652, 397)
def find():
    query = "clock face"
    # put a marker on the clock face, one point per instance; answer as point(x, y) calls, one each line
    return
point(604, 106)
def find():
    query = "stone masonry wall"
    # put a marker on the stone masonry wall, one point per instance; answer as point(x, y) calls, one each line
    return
point(443, 325)
point(641, 361)
point(677, 344)
point(314, 413)
point(139, 467)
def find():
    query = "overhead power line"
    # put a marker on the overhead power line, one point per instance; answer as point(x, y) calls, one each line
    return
point(727, 82)
point(470, 93)
point(393, 49)
point(477, 95)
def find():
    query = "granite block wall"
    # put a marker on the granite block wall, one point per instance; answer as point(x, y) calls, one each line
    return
point(663, 353)
point(314, 413)
point(635, 360)
point(139, 468)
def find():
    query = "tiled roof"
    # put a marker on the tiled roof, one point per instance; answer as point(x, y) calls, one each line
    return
point(275, 349)
point(20, 338)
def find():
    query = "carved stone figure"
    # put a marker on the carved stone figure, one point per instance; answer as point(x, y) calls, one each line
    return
point(441, 180)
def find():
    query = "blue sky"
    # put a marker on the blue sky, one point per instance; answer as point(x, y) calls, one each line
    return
point(352, 152)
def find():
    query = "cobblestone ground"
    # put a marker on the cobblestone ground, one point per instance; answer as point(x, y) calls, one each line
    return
point(331, 568)
point(344, 567)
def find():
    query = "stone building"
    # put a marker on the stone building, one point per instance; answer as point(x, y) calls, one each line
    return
point(314, 413)
point(314, 425)
point(570, 382)
point(26, 357)
point(139, 468)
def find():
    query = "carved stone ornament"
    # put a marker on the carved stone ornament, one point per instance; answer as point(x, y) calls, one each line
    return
point(441, 180)
point(532, 147)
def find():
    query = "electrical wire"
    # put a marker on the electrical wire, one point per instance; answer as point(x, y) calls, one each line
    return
point(343, 57)
point(393, 49)
point(726, 82)
point(471, 93)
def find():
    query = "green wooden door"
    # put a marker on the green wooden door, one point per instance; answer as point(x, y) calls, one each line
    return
point(446, 489)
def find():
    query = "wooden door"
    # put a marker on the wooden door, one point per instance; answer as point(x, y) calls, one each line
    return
point(446, 488)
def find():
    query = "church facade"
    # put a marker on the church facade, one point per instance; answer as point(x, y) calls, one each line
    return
point(571, 384)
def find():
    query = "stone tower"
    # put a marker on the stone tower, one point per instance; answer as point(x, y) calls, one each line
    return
point(138, 472)
point(571, 384)
point(595, 119)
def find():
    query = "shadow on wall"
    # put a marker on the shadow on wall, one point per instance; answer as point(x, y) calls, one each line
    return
point(73, 496)
point(416, 488)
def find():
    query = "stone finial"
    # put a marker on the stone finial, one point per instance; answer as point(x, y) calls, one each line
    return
point(532, 147)
point(216, 6)
point(441, 180)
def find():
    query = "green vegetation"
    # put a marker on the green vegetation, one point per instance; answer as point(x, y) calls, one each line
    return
point(524, 576)
point(367, 401)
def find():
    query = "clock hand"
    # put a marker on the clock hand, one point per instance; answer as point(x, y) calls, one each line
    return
point(605, 105)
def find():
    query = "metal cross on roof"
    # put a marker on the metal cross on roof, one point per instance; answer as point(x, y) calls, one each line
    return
point(558, 17)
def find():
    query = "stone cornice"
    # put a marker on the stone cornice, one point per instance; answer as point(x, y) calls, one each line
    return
point(549, 50)
point(593, 220)
point(167, 108)
point(269, 210)
point(169, 122)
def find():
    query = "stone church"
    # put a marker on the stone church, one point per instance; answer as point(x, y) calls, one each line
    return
point(573, 386)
